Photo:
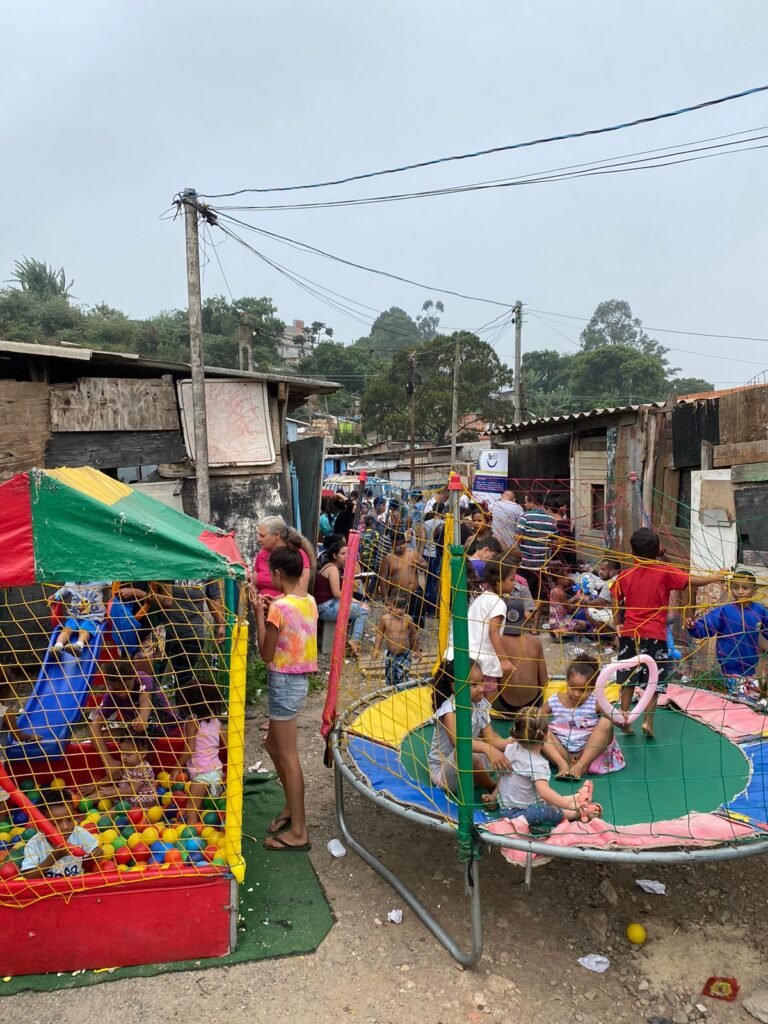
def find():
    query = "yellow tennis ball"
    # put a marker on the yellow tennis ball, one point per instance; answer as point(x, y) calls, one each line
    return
point(104, 805)
point(170, 835)
point(134, 839)
point(636, 934)
point(154, 814)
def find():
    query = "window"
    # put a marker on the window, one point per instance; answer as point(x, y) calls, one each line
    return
point(597, 506)
point(684, 497)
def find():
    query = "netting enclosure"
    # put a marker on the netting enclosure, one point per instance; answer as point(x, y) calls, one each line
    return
point(690, 784)
point(122, 667)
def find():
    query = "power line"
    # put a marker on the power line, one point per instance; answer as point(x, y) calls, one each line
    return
point(661, 330)
point(500, 149)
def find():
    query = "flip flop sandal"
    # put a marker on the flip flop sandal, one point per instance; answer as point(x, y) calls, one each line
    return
point(283, 847)
point(283, 824)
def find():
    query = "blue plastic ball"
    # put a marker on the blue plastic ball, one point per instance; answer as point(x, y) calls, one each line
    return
point(19, 817)
point(194, 845)
point(161, 790)
point(159, 850)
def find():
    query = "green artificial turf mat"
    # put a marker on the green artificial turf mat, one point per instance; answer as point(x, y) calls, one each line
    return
point(688, 767)
point(285, 913)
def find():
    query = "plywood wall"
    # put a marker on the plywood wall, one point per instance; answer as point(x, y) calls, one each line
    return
point(24, 426)
point(97, 404)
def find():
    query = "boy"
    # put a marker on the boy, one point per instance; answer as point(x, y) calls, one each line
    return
point(41, 858)
point(524, 686)
point(642, 593)
point(85, 613)
point(738, 627)
point(594, 611)
point(399, 573)
point(400, 637)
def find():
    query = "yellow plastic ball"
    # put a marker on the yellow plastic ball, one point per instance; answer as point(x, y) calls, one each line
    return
point(104, 805)
point(16, 831)
point(122, 867)
point(93, 816)
point(134, 839)
point(107, 851)
point(166, 799)
point(170, 835)
point(636, 934)
point(154, 814)
point(138, 867)
point(108, 835)
point(58, 784)
point(208, 832)
point(150, 835)
point(4, 837)
point(164, 779)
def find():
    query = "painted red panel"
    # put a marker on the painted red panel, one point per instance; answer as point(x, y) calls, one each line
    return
point(143, 923)
point(223, 544)
point(17, 565)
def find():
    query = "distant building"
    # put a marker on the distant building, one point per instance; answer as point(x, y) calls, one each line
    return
point(290, 346)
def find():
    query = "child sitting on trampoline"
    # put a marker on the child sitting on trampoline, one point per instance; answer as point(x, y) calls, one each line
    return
point(524, 790)
point(398, 633)
point(85, 613)
point(738, 627)
point(580, 739)
point(487, 745)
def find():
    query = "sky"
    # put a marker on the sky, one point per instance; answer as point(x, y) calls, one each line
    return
point(110, 109)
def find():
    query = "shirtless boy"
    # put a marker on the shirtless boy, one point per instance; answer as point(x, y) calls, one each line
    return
point(398, 633)
point(399, 574)
point(524, 685)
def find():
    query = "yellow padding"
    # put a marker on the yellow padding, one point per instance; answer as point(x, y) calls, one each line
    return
point(393, 718)
point(93, 483)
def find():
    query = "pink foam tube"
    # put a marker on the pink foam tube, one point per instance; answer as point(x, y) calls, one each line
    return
point(609, 672)
point(25, 804)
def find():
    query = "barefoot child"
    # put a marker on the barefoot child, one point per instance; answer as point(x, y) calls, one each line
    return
point(524, 791)
point(287, 639)
point(487, 745)
point(642, 592)
point(580, 739)
point(135, 781)
point(525, 685)
point(400, 637)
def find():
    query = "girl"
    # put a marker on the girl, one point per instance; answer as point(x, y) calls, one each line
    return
point(274, 533)
point(136, 779)
point(287, 639)
point(485, 620)
point(580, 740)
point(328, 591)
point(525, 790)
point(487, 745)
point(202, 735)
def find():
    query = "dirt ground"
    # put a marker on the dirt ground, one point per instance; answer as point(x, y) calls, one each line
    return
point(712, 922)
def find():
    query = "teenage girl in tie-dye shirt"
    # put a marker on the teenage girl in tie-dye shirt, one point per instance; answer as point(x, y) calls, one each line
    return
point(287, 638)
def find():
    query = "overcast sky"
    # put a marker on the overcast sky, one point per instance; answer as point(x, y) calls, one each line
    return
point(111, 108)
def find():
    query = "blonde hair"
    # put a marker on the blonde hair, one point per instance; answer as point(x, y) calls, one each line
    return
point(530, 726)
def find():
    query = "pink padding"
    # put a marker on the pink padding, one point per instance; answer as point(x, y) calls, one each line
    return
point(691, 830)
point(736, 721)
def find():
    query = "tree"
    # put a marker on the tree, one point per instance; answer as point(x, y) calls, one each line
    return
point(41, 280)
point(546, 383)
point(616, 375)
point(689, 386)
point(428, 321)
point(482, 377)
point(612, 323)
point(313, 331)
point(391, 331)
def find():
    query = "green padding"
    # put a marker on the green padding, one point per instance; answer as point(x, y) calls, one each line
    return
point(286, 913)
point(688, 767)
point(79, 538)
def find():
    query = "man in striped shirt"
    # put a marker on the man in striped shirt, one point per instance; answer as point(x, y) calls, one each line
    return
point(536, 534)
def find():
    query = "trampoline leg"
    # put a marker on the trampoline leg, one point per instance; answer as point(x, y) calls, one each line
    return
point(472, 888)
point(528, 871)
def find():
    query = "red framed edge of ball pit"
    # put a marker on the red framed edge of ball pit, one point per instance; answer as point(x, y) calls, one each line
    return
point(109, 919)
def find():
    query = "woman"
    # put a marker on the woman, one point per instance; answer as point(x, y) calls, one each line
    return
point(480, 523)
point(328, 591)
point(273, 533)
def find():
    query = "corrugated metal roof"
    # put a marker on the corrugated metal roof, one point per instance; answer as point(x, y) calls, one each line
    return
point(99, 357)
point(574, 417)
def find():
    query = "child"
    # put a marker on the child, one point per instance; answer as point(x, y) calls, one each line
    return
point(594, 605)
point(41, 858)
point(525, 685)
point(486, 550)
point(485, 618)
point(738, 627)
point(369, 554)
point(287, 639)
point(524, 791)
point(135, 781)
point(487, 745)
point(400, 637)
point(580, 740)
point(202, 734)
point(86, 612)
point(642, 593)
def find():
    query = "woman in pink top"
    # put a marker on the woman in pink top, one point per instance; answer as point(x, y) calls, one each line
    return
point(203, 734)
point(273, 533)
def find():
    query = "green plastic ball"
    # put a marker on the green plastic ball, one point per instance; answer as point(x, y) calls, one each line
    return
point(85, 806)
point(28, 784)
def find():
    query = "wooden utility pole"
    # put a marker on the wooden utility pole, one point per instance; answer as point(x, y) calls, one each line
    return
point(455, 401)
point(410, 390)
point(518, 308)
point(199, 418)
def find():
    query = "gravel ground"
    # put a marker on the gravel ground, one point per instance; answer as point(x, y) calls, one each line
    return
point(712, 922)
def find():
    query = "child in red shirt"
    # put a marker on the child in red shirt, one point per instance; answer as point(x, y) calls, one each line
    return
point(642, 592)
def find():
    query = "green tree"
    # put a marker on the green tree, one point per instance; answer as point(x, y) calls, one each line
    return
point(612, 323)
point(616, 375)
point(41, 279)
point(391, 331)
point(428, 321)
point(689, 385)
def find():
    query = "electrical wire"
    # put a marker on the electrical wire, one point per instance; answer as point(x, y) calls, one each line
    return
point(660, 330)
point(648, 119)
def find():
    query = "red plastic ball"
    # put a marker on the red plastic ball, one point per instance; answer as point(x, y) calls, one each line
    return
point(210, 852)
point(141, 853)
point(136, 816)
point(108, 865)
point(9, 870)
point(123, 855)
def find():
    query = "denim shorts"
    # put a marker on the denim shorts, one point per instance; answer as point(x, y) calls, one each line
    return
point(287, 693)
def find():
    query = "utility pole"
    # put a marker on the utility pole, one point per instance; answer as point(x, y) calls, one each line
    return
point(244, 344)
point(410, 390)
point(199, 418)
point(455, 402)
point(518, 308)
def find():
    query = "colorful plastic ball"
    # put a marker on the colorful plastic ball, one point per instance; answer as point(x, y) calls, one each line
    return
point(9, 869)
point(27, 784)
point(164, 778)
point(141, 853)
point(150, 835)
point(166, 799)
point(218, 859)
point(173, 857)
point(16, 831)
point(77, 851)
point(123, 856)
point(177, 787)
point(122, 867)
point(138, 867)
point(128, 830)
point(121, 821)
point(134, 840)
point(210, 852)
point(104, 805)
point(104, 822)
point(636, 934)
point(5, 826)
point(84, 806)
point(211, 818)
point(58, 784)
point(107, 850)
point(118, 842)
point(107, 865)
point(19, 817)
point(90, 826)
point(122, 805)
point(158, 851)
point(187, 832)
point(181, 800)
point(197, 857)
point(161, 790)
point(181, 776)
point(27, 834)
point(108, 835)
point(35, 796)
point(136, 816)
point(215, 803)
point(195, 844)
point(169, 835)
point(4, 837)
point(92, 817)
point(154, 814)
